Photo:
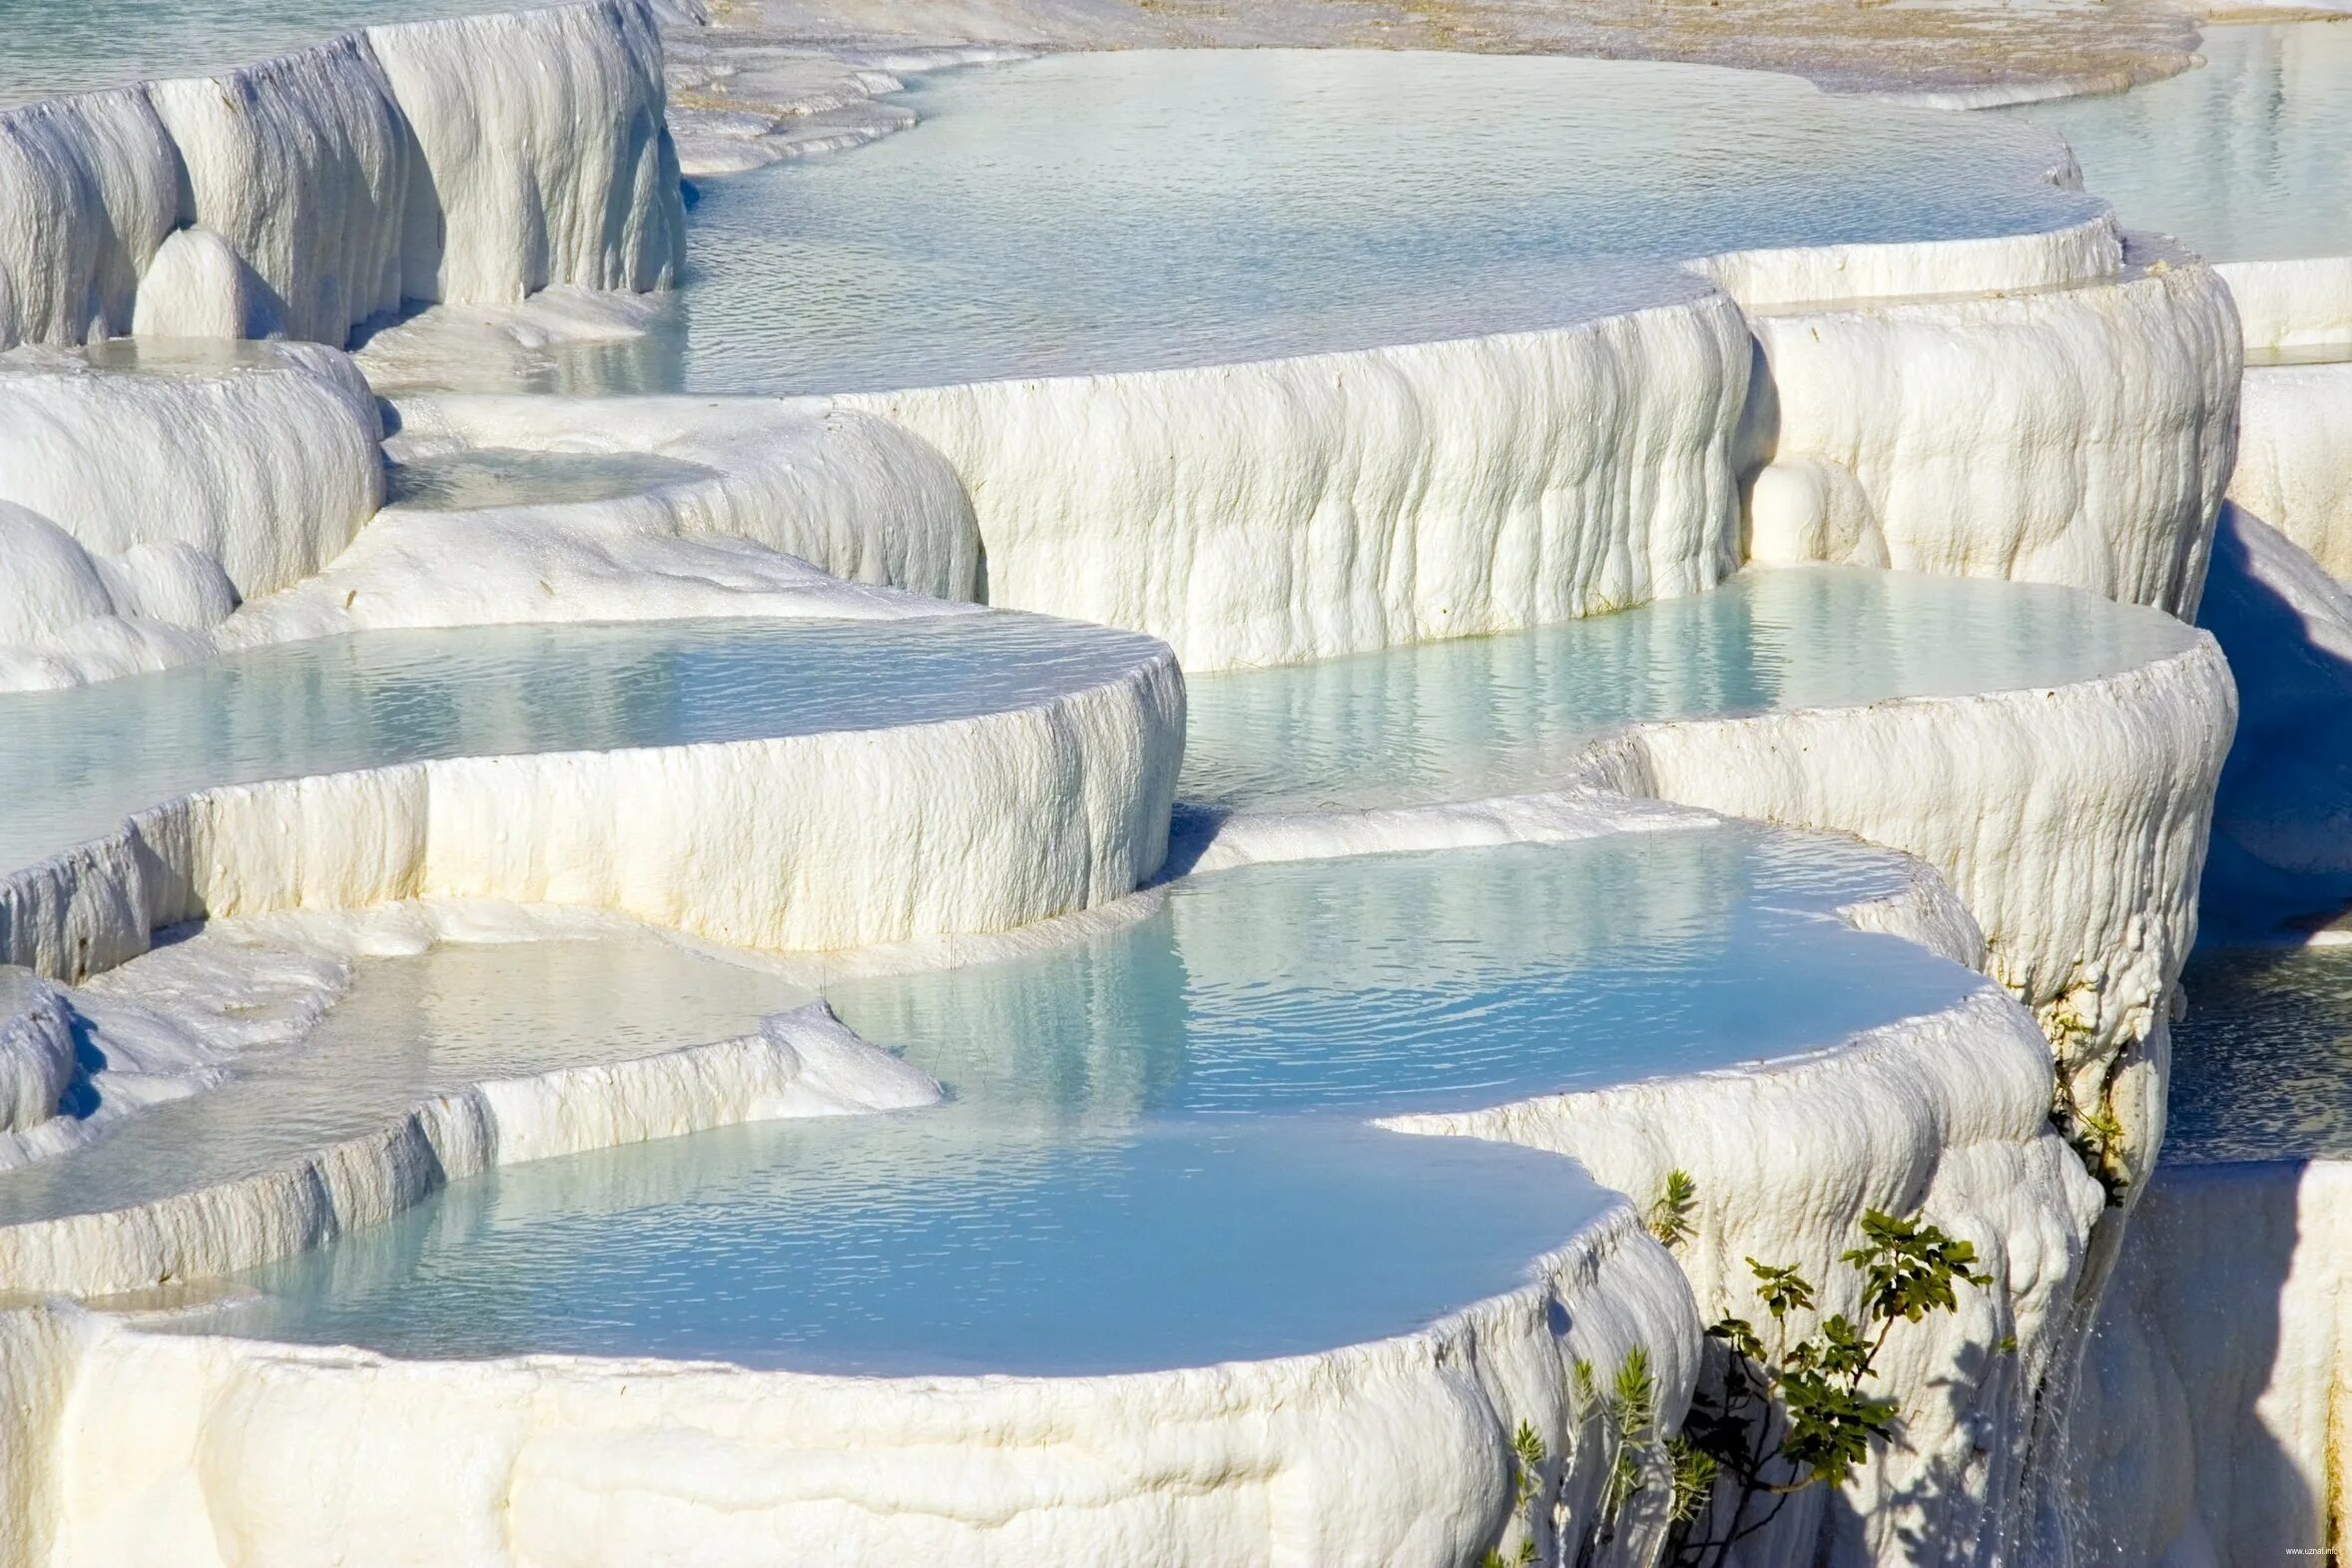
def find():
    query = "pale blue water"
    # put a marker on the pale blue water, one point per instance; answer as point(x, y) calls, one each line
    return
point(48, 47)
point(489, 476)
point(1491, 715)
point(76, 762)
point(1151, 1159)
point(932, 1247)
point(2247, 159)
point(1466, 718)
point(409, 1029)
point(1140, 210)
point(2262, 1064)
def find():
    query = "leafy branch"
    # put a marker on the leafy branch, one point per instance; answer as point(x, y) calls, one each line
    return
point(1794, 1413)
point(1781, 1414)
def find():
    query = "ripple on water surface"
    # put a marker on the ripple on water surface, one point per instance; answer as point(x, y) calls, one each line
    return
point(1153, 1156)
point(2262, 1064)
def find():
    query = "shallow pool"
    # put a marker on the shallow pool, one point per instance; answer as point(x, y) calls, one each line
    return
point(2262, 1064)
point(409, 1028)
point(2247, 159)
point(78, 761)
point(1489, 715)
point(1153, 1156)
point(1150, 209)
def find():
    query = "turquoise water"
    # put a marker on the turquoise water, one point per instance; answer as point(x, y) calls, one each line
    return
point(1484, 716)
point(73, 46)
point(409, 1028)
point(1151, 1158)
point(2247, 159)
point(1148, 208)
point(76, 761)
point(2262, 1064)
point(1443, 720)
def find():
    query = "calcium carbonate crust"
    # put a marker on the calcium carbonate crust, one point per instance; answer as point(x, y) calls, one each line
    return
point(801, 1063)
point(2070, 820)
point(1946, 1115)
point(1334, 503)
point(1391, 1451)
point(2290, 305)
point(253, 468)
point(477, 158)
point(2208, 1423)
point(778, 511)
point(1949, 1110)
point(820, 840)
point(2092, 450)
point(1600, 465)
point(2294, 463)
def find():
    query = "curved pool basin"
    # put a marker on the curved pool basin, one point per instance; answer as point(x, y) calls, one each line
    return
point(409, 1028)
point(1150, 209)
point(1491, 714)
point(1150, 1159)
point(79, 761)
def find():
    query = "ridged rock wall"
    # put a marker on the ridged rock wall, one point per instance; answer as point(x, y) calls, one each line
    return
point(472, 160)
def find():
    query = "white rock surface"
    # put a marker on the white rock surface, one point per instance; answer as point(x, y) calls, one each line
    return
point(2294, 458)
point(2078, 255)
point(2091, 448)
point(2207, 1424)
point(475, 159)
point(819, 840)
point(2069, 820)
point(140, 502)
point(856, 499)
point(2289, 306)
point(37, 1053)
point(1303, 508)
point(1947, 1114)
point(801, 1063)
point(1391, 1451)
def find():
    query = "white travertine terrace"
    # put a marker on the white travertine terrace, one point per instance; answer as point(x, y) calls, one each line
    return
point(1380, 1452)
point(1374, 512)
point(2291, 305)
point(801, 1063)
point(256, 467)
point(778, 511)
point(1301, 508)
point(2099, 463)
point(472, 160)
point(1949, 1113)
point(1335, 503)
point(832, 839)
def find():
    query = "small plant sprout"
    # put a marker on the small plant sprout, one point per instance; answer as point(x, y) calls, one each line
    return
point(1623, 1419)
point(1671, 1216)
point(1527, 1456)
